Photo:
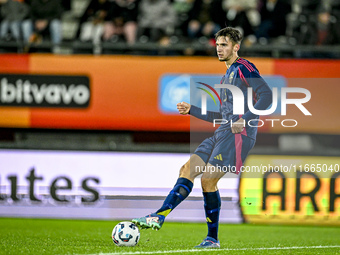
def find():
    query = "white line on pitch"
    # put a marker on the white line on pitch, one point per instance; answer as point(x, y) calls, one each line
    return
point(219, 250)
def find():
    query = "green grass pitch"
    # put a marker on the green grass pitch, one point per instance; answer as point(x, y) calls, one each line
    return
point(44, 236)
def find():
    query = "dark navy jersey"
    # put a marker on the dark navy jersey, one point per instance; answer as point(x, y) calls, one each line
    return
point(242, 74)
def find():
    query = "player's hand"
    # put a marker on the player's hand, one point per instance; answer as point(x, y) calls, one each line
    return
point(238, 126)
point(183, 108)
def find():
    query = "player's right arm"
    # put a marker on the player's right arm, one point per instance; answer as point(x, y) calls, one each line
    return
point(185, 108)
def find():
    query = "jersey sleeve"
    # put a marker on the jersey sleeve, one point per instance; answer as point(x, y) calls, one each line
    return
point(262, 92)
point(210, 116)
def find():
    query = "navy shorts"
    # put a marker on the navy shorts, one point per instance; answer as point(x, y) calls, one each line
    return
point(226, 150)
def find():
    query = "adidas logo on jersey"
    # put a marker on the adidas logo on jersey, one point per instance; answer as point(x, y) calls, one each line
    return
point(219, 157)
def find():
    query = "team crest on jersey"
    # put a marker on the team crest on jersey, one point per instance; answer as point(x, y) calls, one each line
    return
point(231, 76)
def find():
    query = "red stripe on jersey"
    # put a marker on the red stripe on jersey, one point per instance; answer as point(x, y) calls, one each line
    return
point(254, 97)
point(242, 77)
point(238, 152)
point(246, 64)
point(245, 81)
point(244, 131)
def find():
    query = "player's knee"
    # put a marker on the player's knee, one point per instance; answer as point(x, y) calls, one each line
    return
point(185, 171)
point(208, 184)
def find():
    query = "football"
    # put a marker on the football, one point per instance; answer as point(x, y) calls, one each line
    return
point(125, 234)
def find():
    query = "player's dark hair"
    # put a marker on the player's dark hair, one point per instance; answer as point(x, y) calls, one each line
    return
point(234, 35)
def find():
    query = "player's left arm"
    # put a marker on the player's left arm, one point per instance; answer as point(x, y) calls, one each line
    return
point(263, 94)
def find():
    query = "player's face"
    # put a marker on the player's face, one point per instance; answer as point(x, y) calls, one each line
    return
point(225, 48)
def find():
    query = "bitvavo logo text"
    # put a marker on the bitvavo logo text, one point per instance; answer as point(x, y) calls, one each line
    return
point(238, 104)
point(53, 91)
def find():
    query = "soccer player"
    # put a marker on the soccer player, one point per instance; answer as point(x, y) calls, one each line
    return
point(230, 144)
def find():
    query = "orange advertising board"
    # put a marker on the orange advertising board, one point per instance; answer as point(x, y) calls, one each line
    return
point(124, 91)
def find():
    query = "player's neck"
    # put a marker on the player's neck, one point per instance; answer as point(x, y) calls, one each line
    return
point(231, 61)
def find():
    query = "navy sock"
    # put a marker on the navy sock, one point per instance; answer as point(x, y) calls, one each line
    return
point(180, 192)
point(212, 206)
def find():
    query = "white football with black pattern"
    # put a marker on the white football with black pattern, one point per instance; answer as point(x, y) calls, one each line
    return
point(125, 234)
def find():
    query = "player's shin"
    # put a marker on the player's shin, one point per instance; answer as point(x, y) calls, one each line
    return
point(180, 192)
point(212, 206)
